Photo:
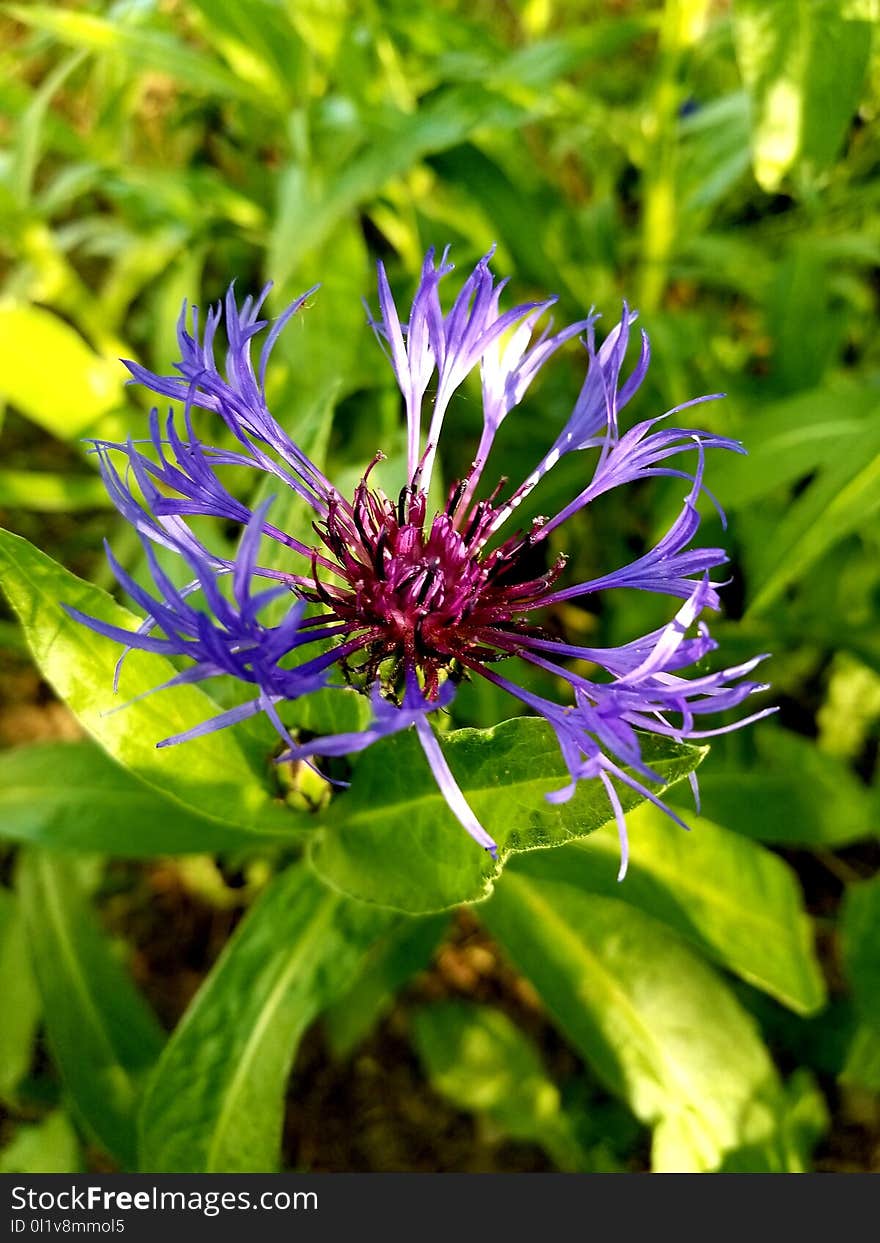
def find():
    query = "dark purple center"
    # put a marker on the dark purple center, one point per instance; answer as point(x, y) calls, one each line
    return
point(426, 596)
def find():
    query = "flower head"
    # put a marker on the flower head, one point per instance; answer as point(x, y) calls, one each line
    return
point(402, 601)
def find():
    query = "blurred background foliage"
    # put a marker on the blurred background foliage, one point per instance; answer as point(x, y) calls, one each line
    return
point(716, 165)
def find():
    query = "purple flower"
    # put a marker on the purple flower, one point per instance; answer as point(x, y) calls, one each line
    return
point(404, 602)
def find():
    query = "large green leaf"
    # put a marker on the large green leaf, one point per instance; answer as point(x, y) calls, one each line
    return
point(213, 776)
point(792, 439)
point(656, 1024)
point(732, 899)
point(21, 1001)
point(70, 796)
point(481, 1062)
point(215, 1102)
point(798, 794)
point(392, 840)
point(73, 390)
point(103, 1036)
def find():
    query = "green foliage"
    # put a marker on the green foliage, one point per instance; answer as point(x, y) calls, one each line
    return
point(215, 1100)
point(477, 1058)
point(104, 1038)
point(804, 63)
point(51, 493)
point(47, 1147)
point(70, 796)
point(658, 1027)
point(734, 901)
point(218, 779)
point(21, 998)
point(391, 963)
point(716, 166)
point(392, 839)
point(861, 954)
point(66, 397)
point(801, 795)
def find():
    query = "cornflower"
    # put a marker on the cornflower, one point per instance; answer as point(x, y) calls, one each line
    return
point(404, 603)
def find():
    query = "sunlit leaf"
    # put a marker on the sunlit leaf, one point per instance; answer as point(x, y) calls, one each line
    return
point(804, 64)
point(143, 47)
point(213, 777)
point(51, 493)
point(732, 899)
point(49, 373)
point(47, 1147)
point(655, 1023)
point(392, 840)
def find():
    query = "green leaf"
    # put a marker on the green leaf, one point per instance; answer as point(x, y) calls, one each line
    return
point(102, 1035)
point(655, 1023)
point(212, 775)
point(26, 153)
point(862, 1068)
point(798, 794)
point(860, 946)
point(803, 63)
point(392, 962)
point(514, 213)
point(843, 498)
point(51, 375)
point(477, 1059)
point(47, 1147)
point(322, 355)
point(806, 338)
point(733, 900)
point(392, 840)
point(51, 493)
point(215, 1102)
point(801, 1120)
point(21, 1000)
point(714, 155)
point(70, 796)
point(791, 439)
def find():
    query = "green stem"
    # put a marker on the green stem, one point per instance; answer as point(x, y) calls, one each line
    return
point(682, 26)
